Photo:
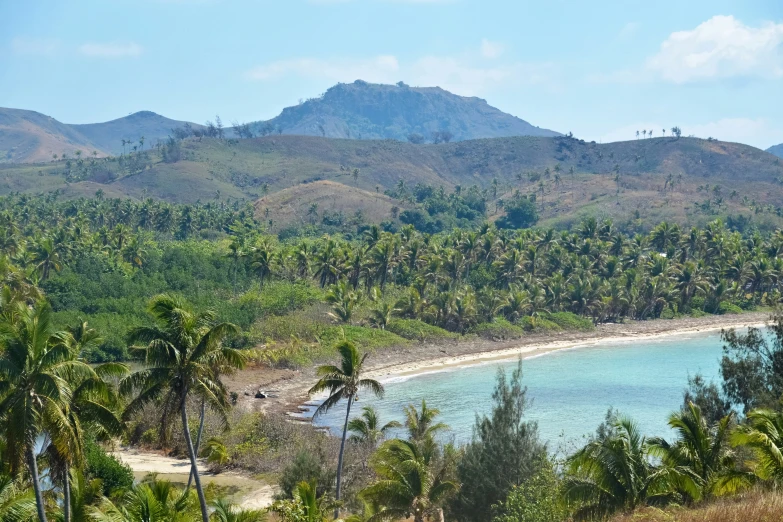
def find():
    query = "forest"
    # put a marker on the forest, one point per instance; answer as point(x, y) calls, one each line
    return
point(119, 320)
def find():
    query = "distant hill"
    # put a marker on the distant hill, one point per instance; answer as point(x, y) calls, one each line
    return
point(362, 110)
point(109, 135)
point(777, 150)
point(29, 136)
point(687, 180)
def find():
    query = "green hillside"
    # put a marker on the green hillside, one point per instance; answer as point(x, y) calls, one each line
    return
point(686, 180)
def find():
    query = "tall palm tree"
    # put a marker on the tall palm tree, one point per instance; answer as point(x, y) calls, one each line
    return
point(701, 457)
point(367, 429)
point(36, 370)
point(411, 481)
point(614, 473)
point(343, 382)
point(179, 357)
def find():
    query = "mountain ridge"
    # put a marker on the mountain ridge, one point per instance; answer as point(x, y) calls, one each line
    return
point(358, 110)
point(777, 150)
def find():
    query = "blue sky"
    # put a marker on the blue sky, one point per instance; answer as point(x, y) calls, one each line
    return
point(601, 69)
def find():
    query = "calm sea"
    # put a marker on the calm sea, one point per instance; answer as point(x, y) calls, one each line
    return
point(569, 390)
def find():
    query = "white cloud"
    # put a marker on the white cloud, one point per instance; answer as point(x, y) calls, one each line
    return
point(758, 132)
point(721, 47)
point(111, 49)
point(467, 74)
point(491, 49)
point(36, 46)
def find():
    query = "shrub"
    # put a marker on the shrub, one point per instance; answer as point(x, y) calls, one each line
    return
point(729, 308)
point(697, 303)
point(115, 476)
point(366, 338)
point(417, 330)
point(535, 500)
point(571, 321)
point(497, 330)
point(537, 324)
point(310, 467)
point(281, 297)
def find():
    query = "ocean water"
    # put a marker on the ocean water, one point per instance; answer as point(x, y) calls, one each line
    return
point(569, 390)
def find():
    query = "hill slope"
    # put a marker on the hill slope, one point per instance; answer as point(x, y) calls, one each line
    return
point(361, 110)
point(29, 136)
point(312, 202)
point(777, 150)
point(640, 182)
point(109, 135)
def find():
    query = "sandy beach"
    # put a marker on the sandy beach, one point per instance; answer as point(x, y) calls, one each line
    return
point(289, 388)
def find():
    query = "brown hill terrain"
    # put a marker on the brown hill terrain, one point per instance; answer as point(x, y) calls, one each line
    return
point(311, 202)
point(28, 136)
point(688, 180)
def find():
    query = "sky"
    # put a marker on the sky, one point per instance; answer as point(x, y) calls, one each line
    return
point(601, 69)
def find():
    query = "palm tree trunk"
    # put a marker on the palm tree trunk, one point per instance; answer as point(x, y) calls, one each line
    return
point(67, 495)
point(198, 437)
point(340, 458)
point(32, 463)
point(194, 466)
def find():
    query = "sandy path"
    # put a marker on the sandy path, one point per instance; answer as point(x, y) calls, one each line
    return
point(247, 492)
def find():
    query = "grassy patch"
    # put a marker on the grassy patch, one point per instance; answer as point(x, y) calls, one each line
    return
point(570, 321)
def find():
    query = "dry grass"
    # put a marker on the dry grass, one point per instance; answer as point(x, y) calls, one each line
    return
point(755, 506)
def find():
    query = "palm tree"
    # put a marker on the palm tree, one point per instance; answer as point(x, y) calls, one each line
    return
point(35, 369)
point(613, 473)
point(343, 382)
point(227, 512)
point(180, 355)
point(381, 316)
point(701, 457)
point(421, 423)
point(152, 501)
point(306, 506)
point(411, 483)
point(17, 504)
point(763, 434)
point(367, 429)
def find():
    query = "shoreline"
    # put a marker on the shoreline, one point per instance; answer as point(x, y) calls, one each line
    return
point(289, 387)
point(415, 369)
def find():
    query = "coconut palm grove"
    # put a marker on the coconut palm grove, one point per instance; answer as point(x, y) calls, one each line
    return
point(121, 322)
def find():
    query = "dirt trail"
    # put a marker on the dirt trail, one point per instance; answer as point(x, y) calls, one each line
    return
point(244, 490)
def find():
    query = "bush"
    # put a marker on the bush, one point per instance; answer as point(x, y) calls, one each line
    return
point(281, 297)
point(365, 338)
point(570, 321)
point(729, 308)
point(115, 476)
point(307, 467)
point(417, 330)
point(697, 303)
point(538, 324)
point(535, 500)
point(498, 329)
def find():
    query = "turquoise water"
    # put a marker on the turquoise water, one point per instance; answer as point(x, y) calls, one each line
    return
point(570, 390)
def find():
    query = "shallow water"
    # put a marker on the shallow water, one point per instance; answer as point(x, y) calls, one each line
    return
point(569, 390)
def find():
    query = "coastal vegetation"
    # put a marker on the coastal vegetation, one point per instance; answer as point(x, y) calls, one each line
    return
point(191, 293)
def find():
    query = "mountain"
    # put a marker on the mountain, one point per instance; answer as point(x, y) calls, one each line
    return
point(777, 150)
point(641, 182)
point(109, 135)
point(29, 136)
point(362, 110)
